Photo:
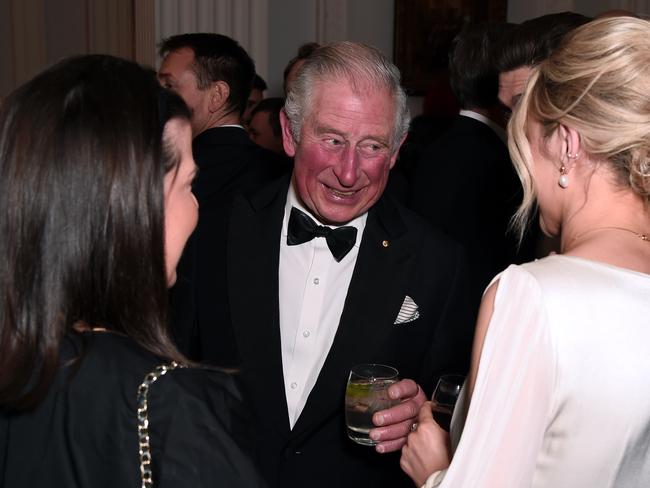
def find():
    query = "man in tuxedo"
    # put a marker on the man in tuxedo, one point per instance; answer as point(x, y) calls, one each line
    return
point(464, 183)
point(324, 272)
point(214, 75)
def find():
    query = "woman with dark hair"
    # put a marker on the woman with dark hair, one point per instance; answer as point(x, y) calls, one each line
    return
point(95, 208)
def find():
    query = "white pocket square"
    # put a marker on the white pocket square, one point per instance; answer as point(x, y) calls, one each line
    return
point(408, 313)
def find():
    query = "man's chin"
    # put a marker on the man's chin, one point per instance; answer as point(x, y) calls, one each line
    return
point(338, 216)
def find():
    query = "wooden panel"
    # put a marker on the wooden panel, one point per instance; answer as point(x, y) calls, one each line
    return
point(111, 27)
point(145, 32)
point(424, 30)
point(28, 35)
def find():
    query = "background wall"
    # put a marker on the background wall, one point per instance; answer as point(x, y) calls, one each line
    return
point(520, 10)
point(293, 23)
point(244, 20)
point(36, 33)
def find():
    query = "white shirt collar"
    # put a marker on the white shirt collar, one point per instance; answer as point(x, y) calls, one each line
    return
point(232, 125)
point(492, 125)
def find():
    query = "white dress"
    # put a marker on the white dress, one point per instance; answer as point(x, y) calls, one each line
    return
point(562, 396)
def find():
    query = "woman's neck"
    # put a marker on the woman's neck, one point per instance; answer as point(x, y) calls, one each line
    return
point(611, 227)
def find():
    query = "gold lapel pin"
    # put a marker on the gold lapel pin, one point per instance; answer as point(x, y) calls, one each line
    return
point(385, 243)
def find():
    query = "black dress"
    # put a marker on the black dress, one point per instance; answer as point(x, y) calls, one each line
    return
point(85, 433)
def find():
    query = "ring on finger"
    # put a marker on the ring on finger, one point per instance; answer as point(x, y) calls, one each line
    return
point(414, 426)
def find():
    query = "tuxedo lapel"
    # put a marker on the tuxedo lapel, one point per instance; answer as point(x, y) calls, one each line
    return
point(373, 300)
point(254, 246)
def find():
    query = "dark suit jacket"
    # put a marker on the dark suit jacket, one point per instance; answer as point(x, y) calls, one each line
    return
point(417, 262)
point(229, 163)
point(466, 185)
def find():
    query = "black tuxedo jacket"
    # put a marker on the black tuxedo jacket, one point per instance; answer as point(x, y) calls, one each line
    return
point(466, 185)
point(399, 256)
point(229, 163)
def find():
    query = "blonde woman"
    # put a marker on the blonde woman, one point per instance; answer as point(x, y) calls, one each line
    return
point(558, 391)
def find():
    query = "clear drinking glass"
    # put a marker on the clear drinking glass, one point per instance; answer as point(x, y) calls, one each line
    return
point(444, 398)
point(366, 393)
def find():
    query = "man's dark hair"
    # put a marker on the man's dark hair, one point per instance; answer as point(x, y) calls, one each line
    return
point(304, 52)
point(259, 83)
point(532, 41)
point(473, 76)
point(273, 106)
point(82, 165)
point(217, 58)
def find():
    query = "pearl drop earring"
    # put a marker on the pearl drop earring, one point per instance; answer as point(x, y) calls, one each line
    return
point(563, 181)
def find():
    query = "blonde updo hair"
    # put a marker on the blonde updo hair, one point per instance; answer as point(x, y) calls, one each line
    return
point(597, 82)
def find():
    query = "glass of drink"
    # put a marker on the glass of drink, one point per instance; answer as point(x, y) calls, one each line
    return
point(444, 398)
point(366, 393)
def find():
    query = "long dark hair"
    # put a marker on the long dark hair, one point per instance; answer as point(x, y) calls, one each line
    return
point(82, 164)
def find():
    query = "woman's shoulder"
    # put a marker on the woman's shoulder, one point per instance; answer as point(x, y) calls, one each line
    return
point(108, 353)
point(202, 383)
point(560, 270)
point(558, 284)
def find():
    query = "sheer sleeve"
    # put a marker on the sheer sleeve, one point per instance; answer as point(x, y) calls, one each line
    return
point(512, 399)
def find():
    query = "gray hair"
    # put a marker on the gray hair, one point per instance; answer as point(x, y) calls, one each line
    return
point(361, 65)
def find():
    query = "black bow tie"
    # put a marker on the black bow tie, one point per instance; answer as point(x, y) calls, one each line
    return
point(302, 228)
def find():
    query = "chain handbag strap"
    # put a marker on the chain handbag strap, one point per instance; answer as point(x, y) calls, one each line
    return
point(143, 420)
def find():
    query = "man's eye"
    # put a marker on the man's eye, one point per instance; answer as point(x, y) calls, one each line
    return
point(332, 141)
point(372, 148)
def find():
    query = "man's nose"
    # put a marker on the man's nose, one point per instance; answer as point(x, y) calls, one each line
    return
point(347, 169)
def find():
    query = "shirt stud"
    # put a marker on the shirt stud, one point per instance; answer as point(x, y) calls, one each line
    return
point(385, 243)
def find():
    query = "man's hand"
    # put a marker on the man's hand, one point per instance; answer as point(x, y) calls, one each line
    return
point(394, 424)
point(427, 450)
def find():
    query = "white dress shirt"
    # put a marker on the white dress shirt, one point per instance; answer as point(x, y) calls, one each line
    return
point(312, 287)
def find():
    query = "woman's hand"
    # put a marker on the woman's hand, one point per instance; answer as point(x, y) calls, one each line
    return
point(427, 449)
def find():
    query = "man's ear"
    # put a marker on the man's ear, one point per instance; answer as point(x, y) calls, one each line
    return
point(288, 142)
point(393, 158)
point(219, 93)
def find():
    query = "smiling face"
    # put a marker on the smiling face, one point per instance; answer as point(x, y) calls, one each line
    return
point(344, 155)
